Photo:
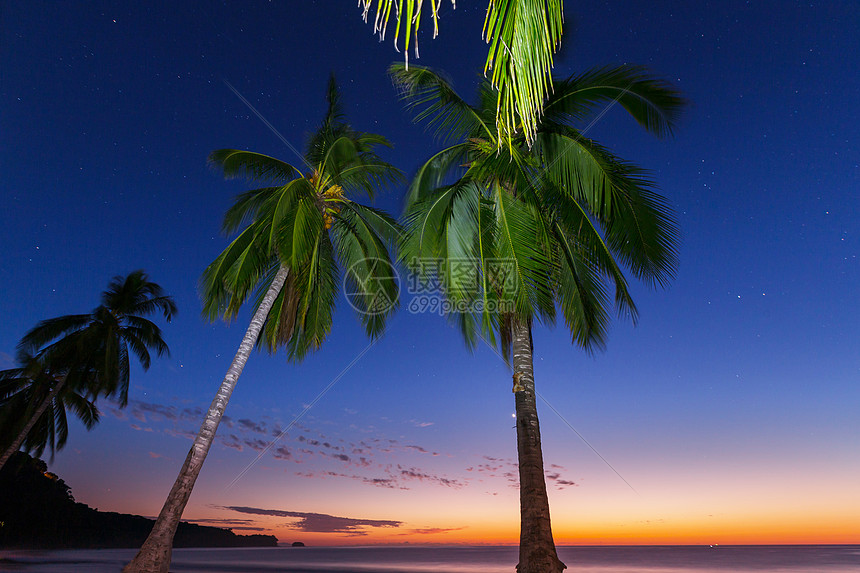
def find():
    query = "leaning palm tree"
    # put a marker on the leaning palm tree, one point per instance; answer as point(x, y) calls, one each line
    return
point(525, 230)
point(34, 398)
point(89, 353)
point(522, 35)
point(297, 233)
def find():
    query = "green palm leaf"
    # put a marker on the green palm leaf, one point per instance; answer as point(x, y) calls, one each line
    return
point(655, 104)
point(248, 205)
point(218, 284)
point(307, 223)
point(317, 284)
point(436, 103)
point(522, 37)
point(436, 170)
point(234, 163)
point(523, 34)
point(566, 212)
point(521, 243)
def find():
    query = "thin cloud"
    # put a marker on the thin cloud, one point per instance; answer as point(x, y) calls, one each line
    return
point(255, 444)
point(141, 410)
point(187, 434)
point(233, 442)
point(140, 428)
point(414, 473)
point(420, 449)
point(430, 530)
point(239, 524)
point(117, 413)
point(251, 425)
point(192, 414)
point(321, 522)
point(305, 446)
point(508, 469)
point(282, 453)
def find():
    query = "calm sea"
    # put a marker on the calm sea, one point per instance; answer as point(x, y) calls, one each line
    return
point(723, 559)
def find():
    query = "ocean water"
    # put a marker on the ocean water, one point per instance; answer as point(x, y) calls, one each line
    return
point(673, 559)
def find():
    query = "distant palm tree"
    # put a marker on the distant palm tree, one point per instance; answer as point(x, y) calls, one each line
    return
point(89, 353)
point(38, 397)
point(522, 230)
point(295, 234)
point(522, 36)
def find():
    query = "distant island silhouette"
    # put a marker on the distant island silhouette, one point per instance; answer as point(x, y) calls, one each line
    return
point(38, 511)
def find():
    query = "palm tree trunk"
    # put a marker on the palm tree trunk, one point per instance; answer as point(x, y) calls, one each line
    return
point(155, 553)
point(22, 435)
point(537, 549)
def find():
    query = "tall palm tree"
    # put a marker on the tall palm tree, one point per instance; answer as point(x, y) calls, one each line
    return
point(296, 234)
point(86, 355)
point(522, 37)
point(542, 227)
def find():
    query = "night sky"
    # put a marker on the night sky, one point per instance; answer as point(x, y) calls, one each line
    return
point(727, 415)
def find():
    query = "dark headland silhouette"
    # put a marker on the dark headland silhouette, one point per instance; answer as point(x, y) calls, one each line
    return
point(37, 511)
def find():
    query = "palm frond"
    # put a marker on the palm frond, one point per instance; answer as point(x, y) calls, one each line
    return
point(333, 124)
point(163, 304)
point(377, 223)
point(519, 233)
point(425, 221)
point(247, 206)
point(359, 237)
point(583, 247)
point(307, 226)
point(234, 163)
point(148, 333)
point(645, 236)
point(368, 174)
point(85, 410)
point(407, 18)
point(523, 35)
point(637, 221)
point(51, 329)
point(280, 211)
point(317, 283)
point(435, 102)
point(227, 281)
point(281, 322)
point(436, 170)
point(134, 339)
point(581, 294)
point(654, 103)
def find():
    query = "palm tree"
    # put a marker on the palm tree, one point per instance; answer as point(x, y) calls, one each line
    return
point(38, 397)
point(85, 355)
point(541, 227)
point(295, 234)
point(522, 35)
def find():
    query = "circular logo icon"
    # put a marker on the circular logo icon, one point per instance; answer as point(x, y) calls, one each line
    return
point(372, 286)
